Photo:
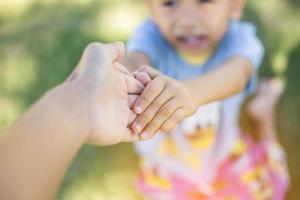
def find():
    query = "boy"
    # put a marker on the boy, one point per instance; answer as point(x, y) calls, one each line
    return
point(204, 54)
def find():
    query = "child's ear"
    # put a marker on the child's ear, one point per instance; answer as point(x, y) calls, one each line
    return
point(237, 8)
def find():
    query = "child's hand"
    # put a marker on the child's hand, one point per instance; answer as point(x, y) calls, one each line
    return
point(163, 104)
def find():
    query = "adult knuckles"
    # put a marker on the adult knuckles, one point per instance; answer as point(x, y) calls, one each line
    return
point(97, 48)
point(94, 46)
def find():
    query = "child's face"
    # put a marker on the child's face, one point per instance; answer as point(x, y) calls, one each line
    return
point(194, 26)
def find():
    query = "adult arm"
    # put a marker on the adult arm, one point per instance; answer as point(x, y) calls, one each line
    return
point(90, 107)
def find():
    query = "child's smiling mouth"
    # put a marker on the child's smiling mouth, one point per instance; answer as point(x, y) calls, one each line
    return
point(192, 43)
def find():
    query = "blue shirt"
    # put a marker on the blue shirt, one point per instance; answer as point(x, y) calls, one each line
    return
point(239, 40)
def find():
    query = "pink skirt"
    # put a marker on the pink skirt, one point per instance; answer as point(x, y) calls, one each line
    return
point(253, 171)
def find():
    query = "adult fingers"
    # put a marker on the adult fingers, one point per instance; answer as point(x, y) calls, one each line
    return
point(122, 69)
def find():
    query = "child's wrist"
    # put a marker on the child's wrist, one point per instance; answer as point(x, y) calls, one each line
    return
point(193, 88)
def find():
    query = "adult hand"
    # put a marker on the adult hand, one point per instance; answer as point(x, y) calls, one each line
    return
point(90, 106)
point(98, 90)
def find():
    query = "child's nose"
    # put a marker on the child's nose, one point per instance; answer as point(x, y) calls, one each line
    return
point(188, 17)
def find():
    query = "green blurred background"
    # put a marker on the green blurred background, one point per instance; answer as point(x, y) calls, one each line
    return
point(42, 40)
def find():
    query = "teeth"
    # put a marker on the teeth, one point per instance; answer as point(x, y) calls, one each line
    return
point(191, 39)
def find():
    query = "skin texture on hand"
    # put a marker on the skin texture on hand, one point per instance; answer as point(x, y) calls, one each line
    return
point(92, 105)
point(163, 104)
point(103, 86)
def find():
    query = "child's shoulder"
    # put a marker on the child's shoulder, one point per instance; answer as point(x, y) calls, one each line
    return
point(148, 25)
point(241, 27)
point(240, 37)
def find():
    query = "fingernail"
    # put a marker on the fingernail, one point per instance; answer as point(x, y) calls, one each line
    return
point(137, 128)
point(138, 109)
point(144, 135)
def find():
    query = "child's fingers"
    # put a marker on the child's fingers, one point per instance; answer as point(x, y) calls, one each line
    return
point(152, 90)
point(173, 120)
point(153, 73)
point(161, 116)
point(142, 77)
point(131, 100)
point(131, 118)
point(133, 86)
point(143, 119)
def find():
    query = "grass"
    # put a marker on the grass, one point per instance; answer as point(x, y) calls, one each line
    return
point(102, 173)
point(38, 49)
point(41, 42)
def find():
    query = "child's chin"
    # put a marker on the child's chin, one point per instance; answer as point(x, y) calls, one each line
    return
point(196, 49)
point(194, 52)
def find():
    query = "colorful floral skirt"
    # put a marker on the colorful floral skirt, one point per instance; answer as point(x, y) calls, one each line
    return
point(252, 171)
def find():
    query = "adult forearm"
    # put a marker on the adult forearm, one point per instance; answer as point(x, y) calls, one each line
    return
point(36, 151)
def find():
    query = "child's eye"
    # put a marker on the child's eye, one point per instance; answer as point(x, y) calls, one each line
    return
point(169, 3)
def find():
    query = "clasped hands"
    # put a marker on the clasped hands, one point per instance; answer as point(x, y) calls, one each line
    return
point(111, 105)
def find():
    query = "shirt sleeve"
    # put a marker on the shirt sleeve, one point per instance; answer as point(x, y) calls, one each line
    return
point(243, 41)
point(146, 39)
